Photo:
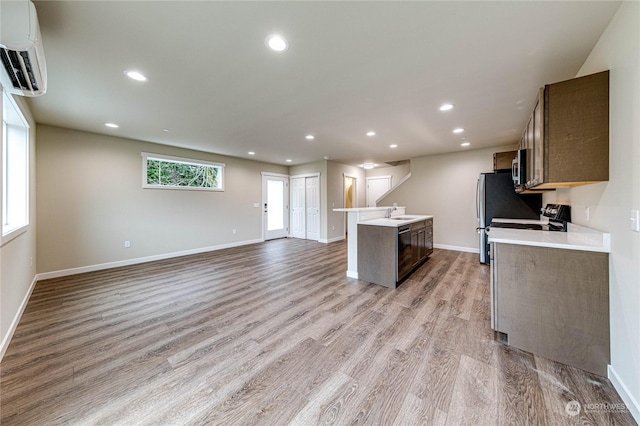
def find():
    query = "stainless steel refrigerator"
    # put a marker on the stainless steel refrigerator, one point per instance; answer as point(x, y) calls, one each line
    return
point(496, 197)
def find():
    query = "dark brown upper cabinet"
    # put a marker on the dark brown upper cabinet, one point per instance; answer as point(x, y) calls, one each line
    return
point(567, 135)
point(503, 160)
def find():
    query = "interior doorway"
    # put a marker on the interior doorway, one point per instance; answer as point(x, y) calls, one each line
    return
point(350, 197)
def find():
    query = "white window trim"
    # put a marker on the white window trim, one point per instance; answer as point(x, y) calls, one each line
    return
point(15, 232)
point(147, 155)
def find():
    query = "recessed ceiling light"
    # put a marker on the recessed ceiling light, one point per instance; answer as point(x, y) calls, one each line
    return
point(458, 130)
point(367, 166)
point(465, 144)
point(371, 133)
point(165, 130)
point(326, 157)
point(277, 43)
point(112, 125)
point(135, 75)
point(288, 160)
point(446, 107)
point(393, 145)
point(310, 137)
point(251, 153)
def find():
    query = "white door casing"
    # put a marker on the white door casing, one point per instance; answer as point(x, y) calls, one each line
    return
point(305, 207)
point(298, 206)
point(376, 187)
point(312, 185)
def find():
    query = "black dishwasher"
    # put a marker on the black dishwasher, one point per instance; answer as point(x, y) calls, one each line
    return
point(405, 260)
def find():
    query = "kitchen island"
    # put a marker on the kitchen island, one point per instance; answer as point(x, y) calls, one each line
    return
point(355, 216)
point(390, 249)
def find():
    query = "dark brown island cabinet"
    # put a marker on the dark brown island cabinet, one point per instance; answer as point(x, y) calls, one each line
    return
point(389, 254)
point(567, 135)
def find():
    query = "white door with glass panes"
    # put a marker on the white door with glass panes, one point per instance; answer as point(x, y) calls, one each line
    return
point(305, 207)
point(275, 206)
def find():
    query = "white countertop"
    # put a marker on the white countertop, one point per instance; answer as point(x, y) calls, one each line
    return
point(576, 238)
point(542, 221)
point(365, 209)
point(410, 218)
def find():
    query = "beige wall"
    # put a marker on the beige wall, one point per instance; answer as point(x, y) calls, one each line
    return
point(18, 256)
point(90, 200)
point(308, 168)
point(445, 186)
point(611, 203)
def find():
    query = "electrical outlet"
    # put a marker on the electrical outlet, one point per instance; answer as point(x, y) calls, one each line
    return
point(333, 228)
point(127, 244)
point(234, 232)
point(256, 205)
point(587, 214)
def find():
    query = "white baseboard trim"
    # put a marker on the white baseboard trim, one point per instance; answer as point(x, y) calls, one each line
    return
point(14, 324)
point(352, 274)
point(456, 248)
point(331, 240)
point(129, 262)
point(623, 391)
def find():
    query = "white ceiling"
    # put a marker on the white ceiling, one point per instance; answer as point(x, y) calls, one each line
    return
point(351, 67)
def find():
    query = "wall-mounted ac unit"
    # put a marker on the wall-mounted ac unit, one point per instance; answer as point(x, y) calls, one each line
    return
point(23, 70)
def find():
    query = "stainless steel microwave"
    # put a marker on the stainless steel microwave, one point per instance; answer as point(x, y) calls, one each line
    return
point(519, 168)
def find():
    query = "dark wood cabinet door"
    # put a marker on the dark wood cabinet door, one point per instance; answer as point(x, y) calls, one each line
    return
point(415, 248)
point(577, 129)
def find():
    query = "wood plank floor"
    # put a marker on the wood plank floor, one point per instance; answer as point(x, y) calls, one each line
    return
point(273, 334)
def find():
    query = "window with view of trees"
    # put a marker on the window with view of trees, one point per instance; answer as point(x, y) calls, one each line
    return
point(160, 171)
point(15, 169)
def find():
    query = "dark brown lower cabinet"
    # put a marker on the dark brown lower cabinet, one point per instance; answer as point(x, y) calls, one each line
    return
point(379, 260)
point(554, 303)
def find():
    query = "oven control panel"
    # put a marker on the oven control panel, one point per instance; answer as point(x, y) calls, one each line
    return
point(557, 212)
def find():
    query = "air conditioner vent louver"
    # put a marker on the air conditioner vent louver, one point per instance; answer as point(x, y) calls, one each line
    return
point(19, 68)
point(24, 70)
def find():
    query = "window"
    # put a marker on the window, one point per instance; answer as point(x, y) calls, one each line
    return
point(15, 169)
point(161, 171)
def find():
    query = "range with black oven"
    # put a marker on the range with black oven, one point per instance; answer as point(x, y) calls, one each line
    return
point(559, 215)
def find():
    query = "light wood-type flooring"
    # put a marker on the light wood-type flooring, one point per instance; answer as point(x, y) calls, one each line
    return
point(276, 334)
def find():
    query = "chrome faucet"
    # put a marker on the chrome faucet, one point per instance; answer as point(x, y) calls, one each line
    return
point(390, 210)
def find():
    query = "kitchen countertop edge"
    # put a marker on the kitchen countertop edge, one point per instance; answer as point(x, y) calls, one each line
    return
point(395, 223)
point(365, 209)
point(576, 238)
